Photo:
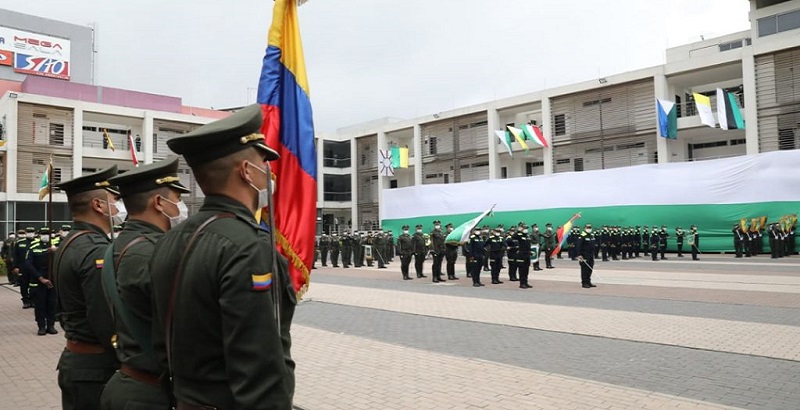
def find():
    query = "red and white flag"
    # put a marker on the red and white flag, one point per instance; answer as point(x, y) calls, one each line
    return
point(132, 146)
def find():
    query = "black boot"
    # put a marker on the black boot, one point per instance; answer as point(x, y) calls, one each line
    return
point(41, 331)
point(52, 330)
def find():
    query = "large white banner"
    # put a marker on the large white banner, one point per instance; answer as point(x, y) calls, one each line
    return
point(34, 54)
point(765, 177)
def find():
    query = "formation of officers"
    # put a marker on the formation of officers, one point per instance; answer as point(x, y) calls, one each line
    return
point(357, 249)
point(177, 311)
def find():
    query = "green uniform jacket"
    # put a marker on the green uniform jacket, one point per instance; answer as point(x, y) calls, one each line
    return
point(82, 306)
point(227, 349)
point(133, 283)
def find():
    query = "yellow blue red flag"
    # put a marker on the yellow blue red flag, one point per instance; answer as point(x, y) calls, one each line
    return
point(288, 128)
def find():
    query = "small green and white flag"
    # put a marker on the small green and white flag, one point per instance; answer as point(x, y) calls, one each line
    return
point(44, 186)
point(461, 233)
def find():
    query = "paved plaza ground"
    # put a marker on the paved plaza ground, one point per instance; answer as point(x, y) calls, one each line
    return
point(716, 333)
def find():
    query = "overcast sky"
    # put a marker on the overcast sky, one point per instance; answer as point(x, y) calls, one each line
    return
point(369, 59)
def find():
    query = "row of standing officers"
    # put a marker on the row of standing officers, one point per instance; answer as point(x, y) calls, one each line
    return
point(178, 311)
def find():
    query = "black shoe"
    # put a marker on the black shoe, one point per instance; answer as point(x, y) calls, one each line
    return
point(592, 285)
point(481, 284)
point(469, 275)
point(476, 285)
point(550, 267)
point(535, 269)
point(52, 330)
point(41, 331)
point(27, 305)
point(514, 279)
point(680, 256)
point(455, 277)
point(435, 280)
point(586, 286)
point(422, 276)
point(441, 279)
point(496, 282)
point(486, 270)
point(695, 259)
point(527, 286)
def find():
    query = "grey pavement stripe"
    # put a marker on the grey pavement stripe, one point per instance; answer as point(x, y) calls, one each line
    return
point(339, 371)
point(760, 339)
point(745, 313)
point(725, 378)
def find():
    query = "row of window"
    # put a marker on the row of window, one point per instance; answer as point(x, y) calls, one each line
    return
point(778, 23)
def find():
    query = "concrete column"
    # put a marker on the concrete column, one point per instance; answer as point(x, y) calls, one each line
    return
point(381, 179)
point(493, 124)
point(547, 131)
point(320, 174)
point(661, 86)
point(77, 142)
point(750, 103)
point(12, 117)
point(417, 154)
point(147, 138)
point(354, 181)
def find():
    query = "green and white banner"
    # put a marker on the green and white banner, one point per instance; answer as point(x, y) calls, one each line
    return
point(714, 195)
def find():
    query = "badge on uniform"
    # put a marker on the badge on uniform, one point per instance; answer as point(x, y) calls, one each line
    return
point(262, 282)
point(98, 263)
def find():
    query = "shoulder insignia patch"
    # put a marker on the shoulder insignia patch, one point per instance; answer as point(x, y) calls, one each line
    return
point(262, 282)
point(98, 263)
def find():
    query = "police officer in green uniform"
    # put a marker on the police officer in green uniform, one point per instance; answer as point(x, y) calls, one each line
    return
point(41, 285)
point(585, 245)
point(418, 244)
point(335, 245)
point(152, 196)
point(405, 248)
point(21, 248)
point(8, 257)
point(88, 360)
point(549, 243)
point(223, 304)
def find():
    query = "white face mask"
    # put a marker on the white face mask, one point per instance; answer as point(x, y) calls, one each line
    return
point(449, 229)
point(122, 213)
point(115, 235)
point(536, 229)
point(419, 230)
point(29, 235)
point(524, 231)
point(588, 230)
point(405, 231)
point(263, 194)
point(12, 236)
point(45, 238)
point(437, 226)
point(64, 234)
point(183, 213)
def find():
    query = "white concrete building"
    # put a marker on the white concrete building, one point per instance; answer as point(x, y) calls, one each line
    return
point(605, 123)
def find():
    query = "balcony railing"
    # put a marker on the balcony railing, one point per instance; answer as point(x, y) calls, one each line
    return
point(336, 162)
point(337, 196)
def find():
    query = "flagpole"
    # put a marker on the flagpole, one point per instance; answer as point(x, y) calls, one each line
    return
point(50, 196)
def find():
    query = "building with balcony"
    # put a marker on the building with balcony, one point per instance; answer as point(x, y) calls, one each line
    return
point(600, 124)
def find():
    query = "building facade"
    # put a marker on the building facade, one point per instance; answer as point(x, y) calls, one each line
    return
point(601, 124)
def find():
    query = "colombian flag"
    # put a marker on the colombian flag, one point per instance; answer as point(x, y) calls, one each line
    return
point(288, 128)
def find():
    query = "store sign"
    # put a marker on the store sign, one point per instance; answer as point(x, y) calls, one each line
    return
point(35, 54)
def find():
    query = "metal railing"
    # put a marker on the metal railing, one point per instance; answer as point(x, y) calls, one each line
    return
point(337, 196)
point(336, 162)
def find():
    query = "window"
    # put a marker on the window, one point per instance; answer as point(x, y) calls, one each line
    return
point(578, 164)
point(446, 178)
point(393, 184)
point(778, 23)
point(740, 141)
point(560, 122)
point(723, 143)
point(87, 128)
point(597, 102)
point(432, 145)
point(730, 45)
point(786, 139)
point(530, 165)
point(504, 172)
point(56, 175)
point(155, 143)
point(563, 161)
point(56, 134)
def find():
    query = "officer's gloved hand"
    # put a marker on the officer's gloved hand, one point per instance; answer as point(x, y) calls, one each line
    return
point(580, 258)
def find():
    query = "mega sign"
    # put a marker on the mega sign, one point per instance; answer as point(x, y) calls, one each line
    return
point(34, 54)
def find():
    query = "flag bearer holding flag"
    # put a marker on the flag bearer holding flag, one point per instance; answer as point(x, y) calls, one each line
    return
point(585, 245)
point(222, 266)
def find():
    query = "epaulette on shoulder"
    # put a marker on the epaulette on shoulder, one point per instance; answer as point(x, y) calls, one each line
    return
point(97, 239)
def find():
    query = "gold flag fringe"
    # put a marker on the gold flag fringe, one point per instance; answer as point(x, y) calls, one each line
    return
point(295, 260)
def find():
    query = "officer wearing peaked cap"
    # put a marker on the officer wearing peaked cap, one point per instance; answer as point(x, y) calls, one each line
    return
point(451, 254)
point(224, 270)
point(88, 360)
point(41, 285)
point(405, 248)
point(418, 244)
point(438, 251)
point(152, 195)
